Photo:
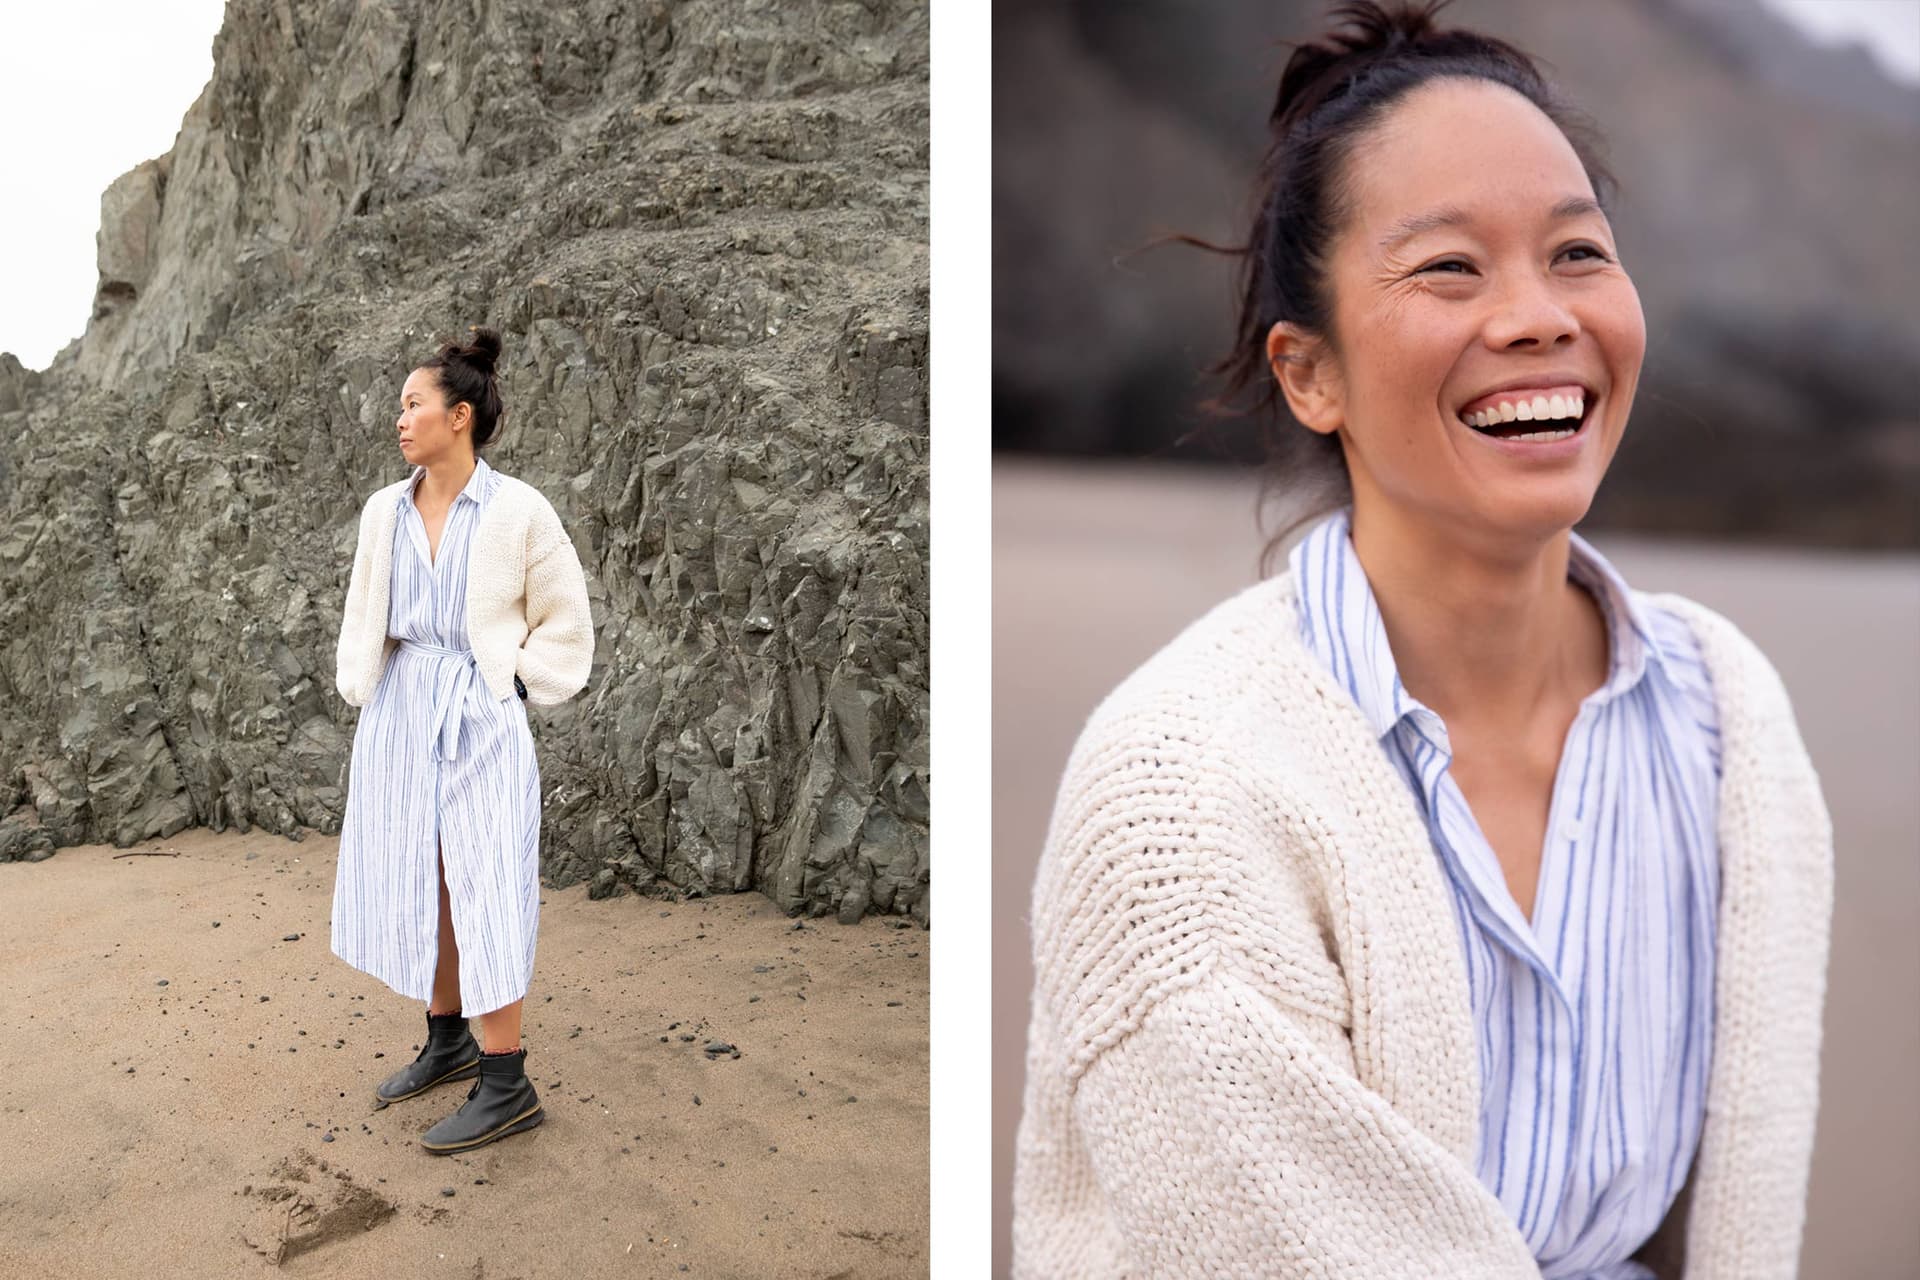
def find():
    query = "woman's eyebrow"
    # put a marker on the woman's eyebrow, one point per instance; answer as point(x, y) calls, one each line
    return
point(1452, 215)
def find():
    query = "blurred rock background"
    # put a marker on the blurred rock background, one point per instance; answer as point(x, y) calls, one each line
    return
point(1766, 213)
point(701, 228)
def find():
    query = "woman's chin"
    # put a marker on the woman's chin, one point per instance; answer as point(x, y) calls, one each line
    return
point(1547, 508)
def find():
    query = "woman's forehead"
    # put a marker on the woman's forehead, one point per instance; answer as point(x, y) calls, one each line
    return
point(1462, 114)
point(1456, 148)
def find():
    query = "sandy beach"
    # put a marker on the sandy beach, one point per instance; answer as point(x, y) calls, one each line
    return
point(190, 1074)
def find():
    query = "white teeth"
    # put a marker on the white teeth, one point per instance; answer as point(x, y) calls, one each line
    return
point(1538, 409)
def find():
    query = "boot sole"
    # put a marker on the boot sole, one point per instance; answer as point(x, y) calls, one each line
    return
point(465, 1071)
point(525, 1120)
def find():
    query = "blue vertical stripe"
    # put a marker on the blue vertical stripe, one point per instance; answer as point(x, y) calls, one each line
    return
point(1593, 1066)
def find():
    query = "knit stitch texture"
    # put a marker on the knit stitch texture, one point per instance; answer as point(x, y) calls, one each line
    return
point(1250, 1049)
point(527, 607)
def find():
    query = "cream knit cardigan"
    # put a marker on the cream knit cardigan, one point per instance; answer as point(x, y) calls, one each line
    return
point(527, 608)
point(1251, 1051)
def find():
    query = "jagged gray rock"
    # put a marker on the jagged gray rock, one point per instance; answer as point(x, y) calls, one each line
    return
point(702, 230)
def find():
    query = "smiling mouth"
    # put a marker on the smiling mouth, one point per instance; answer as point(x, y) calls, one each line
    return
point(1538, 430)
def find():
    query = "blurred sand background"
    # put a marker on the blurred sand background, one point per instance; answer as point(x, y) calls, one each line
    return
point(1098, 564)
point(210, 1125)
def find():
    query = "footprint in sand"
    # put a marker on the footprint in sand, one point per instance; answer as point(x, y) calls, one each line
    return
point(292, 1220)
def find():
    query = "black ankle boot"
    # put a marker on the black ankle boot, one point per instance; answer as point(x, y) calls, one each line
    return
point(451, 1053)
point(501, 1102)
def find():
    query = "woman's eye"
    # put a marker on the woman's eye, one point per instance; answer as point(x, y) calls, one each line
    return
point(1598, 256)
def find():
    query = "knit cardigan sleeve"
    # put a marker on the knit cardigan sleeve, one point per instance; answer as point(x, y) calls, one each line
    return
point(353, 621)
point(557, 654)
point(1193, 1106)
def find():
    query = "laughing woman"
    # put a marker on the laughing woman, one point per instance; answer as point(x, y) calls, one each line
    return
point(1441, 905)
point(466, 601)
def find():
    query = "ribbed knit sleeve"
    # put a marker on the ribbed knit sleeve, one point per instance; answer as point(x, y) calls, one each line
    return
point(1193, 1105)
point(557, 655)
point(1229, 1138)
point(353, 622)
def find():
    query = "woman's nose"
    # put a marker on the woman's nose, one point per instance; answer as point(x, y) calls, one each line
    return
point(1531, 310)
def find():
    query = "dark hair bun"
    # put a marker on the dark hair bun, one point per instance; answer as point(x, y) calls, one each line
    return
point(484, 351)
point(466, 375)
point(1317, 69)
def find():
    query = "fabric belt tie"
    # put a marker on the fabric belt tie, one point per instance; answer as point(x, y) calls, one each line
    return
point(446, 707)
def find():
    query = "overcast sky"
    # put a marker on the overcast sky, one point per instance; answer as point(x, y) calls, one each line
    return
point(1890, 28)
point(90, 88)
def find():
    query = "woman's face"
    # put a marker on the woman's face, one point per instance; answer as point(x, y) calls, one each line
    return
point(429, 431)
point(1497, 284)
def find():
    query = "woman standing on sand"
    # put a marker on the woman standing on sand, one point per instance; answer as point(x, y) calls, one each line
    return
point(466, 601)
point(1440, 905)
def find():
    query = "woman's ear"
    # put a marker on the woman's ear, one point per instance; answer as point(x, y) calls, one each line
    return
point(1303, 365)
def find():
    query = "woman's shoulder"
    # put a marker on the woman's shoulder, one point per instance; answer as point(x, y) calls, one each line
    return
point(1744, 681)
point(383, 501)
point(519, 509)
point(516, 493)
point(1760, 746)
point(1207, 670)
point(1200, 750)
point(1175, 841)
point(523, 504)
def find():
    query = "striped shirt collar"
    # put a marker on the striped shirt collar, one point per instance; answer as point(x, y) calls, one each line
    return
point(472, 490)
point(1341, 622)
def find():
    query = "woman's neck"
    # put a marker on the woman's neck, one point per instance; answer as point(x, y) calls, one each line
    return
point(443, 481)
point(1492, 636)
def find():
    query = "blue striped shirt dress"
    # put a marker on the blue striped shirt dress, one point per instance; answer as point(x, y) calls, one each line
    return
point(1596, 1018)
point(440, 770)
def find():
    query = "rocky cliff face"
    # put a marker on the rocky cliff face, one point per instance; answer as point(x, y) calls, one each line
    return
point(1765, 214)
point(701, 228)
